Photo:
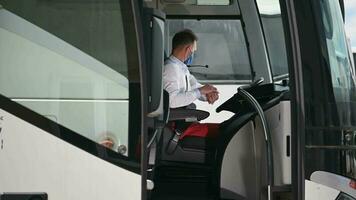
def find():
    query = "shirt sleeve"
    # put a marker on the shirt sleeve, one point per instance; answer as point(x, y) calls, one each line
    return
point(171, 83)
point(194, 84)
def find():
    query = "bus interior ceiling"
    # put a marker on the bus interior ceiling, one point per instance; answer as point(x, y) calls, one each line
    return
point(232, 43)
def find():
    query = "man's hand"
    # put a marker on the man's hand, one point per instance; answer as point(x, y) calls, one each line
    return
point(212, 97)
point(206, 89)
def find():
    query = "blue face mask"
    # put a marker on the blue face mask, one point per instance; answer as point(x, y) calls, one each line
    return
point(189, 60)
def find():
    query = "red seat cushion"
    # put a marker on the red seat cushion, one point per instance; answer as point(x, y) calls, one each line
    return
point(201, 130)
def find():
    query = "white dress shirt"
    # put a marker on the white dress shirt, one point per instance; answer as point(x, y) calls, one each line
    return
point(180, 84)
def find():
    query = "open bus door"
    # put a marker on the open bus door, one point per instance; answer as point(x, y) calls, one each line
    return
point(323, 107)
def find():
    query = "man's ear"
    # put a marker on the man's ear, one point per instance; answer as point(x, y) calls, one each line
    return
point(187, 47)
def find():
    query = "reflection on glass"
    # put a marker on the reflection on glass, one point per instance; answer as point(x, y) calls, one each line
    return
point(329, 90)
point(69, 60)
point(269, 7)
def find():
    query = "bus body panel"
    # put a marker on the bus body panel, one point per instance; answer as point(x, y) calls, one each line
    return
point(33, 160)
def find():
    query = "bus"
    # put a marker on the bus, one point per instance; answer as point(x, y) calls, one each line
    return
point(83, 114)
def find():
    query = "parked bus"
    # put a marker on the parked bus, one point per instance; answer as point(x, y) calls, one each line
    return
point(83, 114)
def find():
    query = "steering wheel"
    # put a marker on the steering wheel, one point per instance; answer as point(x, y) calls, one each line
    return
point(253, 84)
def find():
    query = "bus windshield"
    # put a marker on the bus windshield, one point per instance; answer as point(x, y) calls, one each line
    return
point(270, 14)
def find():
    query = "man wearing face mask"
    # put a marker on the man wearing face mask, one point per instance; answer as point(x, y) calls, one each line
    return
point(183, 88)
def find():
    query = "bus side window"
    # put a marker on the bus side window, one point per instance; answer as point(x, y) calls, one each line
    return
point(60, 61)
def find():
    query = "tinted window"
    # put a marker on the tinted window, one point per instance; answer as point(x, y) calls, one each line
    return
point(329, 93)
point(67, 60)
point(338, 57)
point(335, 78)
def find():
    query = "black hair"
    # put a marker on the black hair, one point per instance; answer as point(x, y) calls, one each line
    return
point(184, 37)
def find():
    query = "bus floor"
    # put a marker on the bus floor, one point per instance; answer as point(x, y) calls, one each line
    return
point(177, 183)
point(199, 194)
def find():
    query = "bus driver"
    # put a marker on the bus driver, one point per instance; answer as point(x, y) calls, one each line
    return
point(183, 88)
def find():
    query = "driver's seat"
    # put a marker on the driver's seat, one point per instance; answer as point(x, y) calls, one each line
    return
point(181, 145)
